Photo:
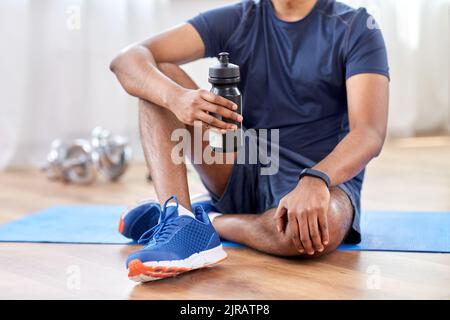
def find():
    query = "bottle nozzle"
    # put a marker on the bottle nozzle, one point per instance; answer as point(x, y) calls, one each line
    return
point(224, 71)
point(224, 58)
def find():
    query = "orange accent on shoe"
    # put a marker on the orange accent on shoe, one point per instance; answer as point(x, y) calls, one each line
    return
point(136, 268)
point(121, 225)
point(162, 275)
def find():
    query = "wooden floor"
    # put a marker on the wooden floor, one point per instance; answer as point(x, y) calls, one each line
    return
point(411, 174)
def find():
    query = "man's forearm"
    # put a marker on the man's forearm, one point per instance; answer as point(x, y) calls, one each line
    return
point(137, 72)
point(351, 155)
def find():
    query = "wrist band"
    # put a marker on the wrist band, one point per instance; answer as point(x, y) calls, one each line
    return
point(317, 174)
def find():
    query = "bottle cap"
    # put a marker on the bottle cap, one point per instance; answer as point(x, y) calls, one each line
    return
point(224, 72)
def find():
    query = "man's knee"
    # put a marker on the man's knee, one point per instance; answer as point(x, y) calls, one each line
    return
point(284, 246)
point(280, 243)
point(339, 218)
point(340, 214)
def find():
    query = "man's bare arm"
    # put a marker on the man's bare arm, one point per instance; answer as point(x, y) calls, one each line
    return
point(136, 68)
point(368, 101)
point(307, 205)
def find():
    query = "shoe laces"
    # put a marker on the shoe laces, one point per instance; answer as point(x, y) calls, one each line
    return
point(163, 229)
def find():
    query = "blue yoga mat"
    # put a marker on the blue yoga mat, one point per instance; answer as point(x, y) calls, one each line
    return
point(381, 231)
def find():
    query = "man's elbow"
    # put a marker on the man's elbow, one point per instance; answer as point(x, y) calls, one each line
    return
point(121, 66)
point(113, 64)
point(377, 142)
point(118, 61)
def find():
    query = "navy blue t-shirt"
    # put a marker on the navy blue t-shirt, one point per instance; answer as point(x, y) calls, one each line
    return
point(293, 74)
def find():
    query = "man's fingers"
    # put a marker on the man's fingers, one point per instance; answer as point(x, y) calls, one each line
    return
point(213, 122)
point(279, 214)
point(314, 233)
point(304, 234)
point(323, 224)
point(224, 112)
point(211, 97)
point(294, 231)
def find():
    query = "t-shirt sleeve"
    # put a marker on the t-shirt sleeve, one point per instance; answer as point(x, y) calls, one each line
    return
point(365, 47)
point(216, 27)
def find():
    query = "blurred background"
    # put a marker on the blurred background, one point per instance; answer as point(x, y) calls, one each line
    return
point(55, 80)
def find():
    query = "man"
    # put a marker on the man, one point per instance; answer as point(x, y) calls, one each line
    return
point(314, 69)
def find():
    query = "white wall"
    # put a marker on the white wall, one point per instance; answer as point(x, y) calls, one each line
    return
point(417, 34)
point(55, 81)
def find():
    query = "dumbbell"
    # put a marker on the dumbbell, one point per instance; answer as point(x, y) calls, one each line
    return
point(71, 162)
point(79, 161)
point(111, 153)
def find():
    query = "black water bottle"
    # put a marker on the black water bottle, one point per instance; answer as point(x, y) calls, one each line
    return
point(224, 78)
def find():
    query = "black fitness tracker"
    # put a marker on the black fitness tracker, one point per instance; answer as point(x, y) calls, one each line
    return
point(316, 173)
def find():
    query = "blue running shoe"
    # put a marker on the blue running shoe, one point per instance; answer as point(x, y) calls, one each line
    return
point(135, 221)
point(145, 215)
point(181, 242)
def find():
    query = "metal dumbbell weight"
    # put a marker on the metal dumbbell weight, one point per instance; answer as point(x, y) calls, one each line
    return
point(111, 153)
point(71, 162)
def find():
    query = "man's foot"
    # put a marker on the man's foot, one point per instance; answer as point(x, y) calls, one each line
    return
point(135, 221)
point(181, 242)
point(145, 215)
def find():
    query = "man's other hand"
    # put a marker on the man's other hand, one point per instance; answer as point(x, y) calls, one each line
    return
point(302, 213)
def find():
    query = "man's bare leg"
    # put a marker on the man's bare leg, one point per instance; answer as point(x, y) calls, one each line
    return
point(259, 231)
point(156, 127)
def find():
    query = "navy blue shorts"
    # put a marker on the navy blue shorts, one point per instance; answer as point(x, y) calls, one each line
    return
point(250, 191)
